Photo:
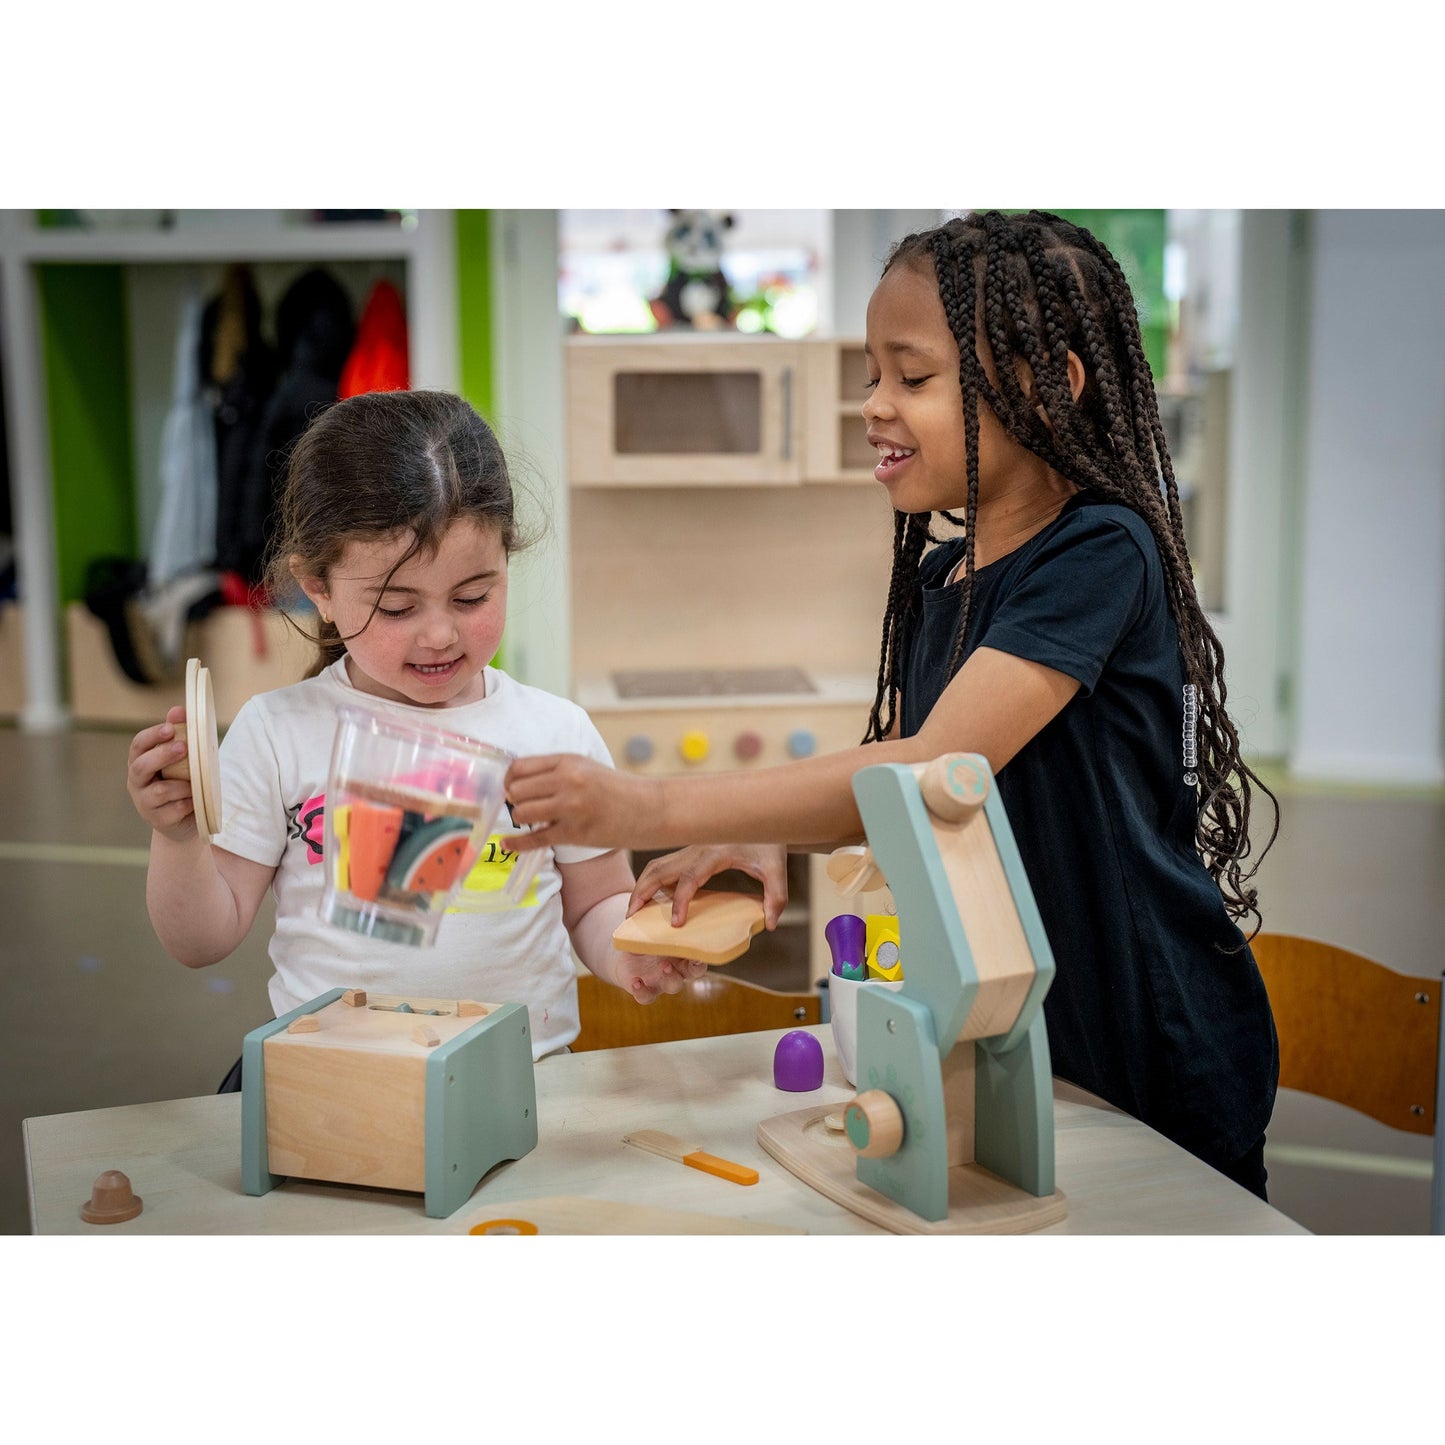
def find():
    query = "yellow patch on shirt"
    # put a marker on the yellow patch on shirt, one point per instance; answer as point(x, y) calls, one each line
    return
point(487, 879)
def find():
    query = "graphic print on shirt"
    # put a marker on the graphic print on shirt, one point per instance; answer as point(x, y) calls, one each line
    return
point(306, 823)
point(481, 888)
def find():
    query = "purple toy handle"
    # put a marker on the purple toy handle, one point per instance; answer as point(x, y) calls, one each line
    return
point(846, 937)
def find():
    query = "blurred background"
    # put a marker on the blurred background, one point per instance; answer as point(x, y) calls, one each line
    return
point(156, 364)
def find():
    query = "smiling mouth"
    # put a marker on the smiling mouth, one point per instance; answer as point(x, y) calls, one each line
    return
point(889, 460)
point(434, 669)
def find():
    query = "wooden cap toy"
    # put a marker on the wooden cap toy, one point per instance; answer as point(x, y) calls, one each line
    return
point(719, 927)
point(798, 1063)
point(112, 1201)
point(202, 763)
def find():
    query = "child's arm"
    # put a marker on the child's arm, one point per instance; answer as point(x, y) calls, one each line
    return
point(201, 900)
point(594, 902)
point(995, 704)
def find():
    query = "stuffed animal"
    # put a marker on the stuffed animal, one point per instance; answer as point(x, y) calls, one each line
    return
point(696, 291)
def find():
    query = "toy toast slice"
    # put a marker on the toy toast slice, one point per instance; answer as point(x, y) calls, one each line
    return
point(719, 928)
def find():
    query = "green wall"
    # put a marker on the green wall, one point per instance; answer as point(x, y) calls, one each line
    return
point(474, 323)
point(474, 307)
point(1137, 240)
point(87, 383)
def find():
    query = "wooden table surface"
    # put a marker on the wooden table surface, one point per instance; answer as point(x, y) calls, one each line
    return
point(183, 1158)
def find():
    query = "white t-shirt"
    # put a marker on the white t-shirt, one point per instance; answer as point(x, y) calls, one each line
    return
point(274, 762)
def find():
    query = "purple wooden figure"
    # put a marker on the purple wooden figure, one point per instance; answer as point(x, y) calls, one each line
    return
point(846, 937)
point(798, 1062)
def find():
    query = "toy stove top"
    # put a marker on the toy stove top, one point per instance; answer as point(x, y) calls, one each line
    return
point(709, 682)
point(694, 687)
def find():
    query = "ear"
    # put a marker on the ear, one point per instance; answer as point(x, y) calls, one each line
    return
point(1076, 376)
point(314, 587)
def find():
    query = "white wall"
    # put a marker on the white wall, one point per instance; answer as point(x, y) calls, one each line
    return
point(1372, 573)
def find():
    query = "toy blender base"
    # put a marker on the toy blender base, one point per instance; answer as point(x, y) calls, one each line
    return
point(979, 1202)
point(423, 1095)
point(952, 1131)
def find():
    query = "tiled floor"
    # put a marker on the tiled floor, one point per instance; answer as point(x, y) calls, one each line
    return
point(93, 1014)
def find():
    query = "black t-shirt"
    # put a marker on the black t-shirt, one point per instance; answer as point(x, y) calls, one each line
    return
point(1148, 1008)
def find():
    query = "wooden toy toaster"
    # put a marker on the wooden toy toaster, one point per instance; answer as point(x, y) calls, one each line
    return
point(388, 1093)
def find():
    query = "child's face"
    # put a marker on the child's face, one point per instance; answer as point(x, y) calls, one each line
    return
point(915, 409)
point(438, 620)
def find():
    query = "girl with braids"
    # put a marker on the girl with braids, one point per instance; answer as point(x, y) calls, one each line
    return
point(396, 519)
point(1057, 633)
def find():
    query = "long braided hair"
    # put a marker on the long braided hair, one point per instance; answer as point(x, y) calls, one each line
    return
point(1035, 287)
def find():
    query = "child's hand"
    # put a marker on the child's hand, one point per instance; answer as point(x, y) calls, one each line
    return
point(646, 977)
point(682, 873)
point(568, 798)
point(167, 804)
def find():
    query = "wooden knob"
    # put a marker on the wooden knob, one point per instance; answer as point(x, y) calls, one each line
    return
point(874, 1124)
point(954, 785)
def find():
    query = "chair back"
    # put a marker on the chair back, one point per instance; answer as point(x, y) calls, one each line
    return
point(712, 1004)
point(1352, 1030)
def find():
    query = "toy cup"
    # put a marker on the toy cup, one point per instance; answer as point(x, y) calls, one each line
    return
point(843, 1015)
point(408, 810)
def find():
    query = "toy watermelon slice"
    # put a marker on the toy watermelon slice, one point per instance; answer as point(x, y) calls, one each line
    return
point(430, 859)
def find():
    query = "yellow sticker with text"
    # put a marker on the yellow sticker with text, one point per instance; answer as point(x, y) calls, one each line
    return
point(481, 889)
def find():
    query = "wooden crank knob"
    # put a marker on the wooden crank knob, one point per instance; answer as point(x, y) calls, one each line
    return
point(874, 1125)
point(954, 785)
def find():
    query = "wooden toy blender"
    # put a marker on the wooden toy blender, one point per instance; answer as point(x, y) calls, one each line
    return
point(952, 1130)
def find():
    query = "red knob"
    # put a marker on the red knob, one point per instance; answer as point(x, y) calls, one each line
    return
point(747, 746)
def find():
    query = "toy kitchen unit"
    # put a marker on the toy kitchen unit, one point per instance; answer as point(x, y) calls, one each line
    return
point(730, 554)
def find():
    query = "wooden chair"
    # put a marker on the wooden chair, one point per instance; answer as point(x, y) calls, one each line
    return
point(712, 1004)
point(1359, 1033)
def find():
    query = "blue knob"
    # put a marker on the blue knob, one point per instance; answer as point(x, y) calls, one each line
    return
point(639, 748)
point(802, 743)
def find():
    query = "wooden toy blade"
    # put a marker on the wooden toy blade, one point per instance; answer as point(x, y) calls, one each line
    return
point(655, 1141)
point(854, 871)
point(719, 928)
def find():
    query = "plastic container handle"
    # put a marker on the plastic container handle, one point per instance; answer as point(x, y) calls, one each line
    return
point(524, 872)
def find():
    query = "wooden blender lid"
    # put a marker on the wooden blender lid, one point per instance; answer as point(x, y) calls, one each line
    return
point(202, 747)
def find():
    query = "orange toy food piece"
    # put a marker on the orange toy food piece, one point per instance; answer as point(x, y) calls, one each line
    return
point(373, 830)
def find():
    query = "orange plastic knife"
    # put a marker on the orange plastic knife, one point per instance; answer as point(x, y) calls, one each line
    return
point(671, 1147)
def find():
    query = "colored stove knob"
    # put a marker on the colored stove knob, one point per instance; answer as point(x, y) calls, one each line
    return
point(693, 747)
point(802, 743)
point(747, 746)
point(639, 748)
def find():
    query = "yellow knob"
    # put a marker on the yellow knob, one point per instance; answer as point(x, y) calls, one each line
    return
point(693, 747)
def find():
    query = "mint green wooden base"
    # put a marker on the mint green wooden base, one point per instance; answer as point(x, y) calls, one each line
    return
point(481, 1104)
point(899, 1048)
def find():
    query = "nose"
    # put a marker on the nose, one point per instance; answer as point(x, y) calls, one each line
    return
point(438, 631)
point(877, 404)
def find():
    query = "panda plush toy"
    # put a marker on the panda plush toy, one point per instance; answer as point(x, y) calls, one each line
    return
point(696, 292)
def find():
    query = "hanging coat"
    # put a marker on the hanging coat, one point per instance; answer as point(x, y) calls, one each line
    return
point(184, 537)
point(314, 336)
point(378, 361)
point(240, 370)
